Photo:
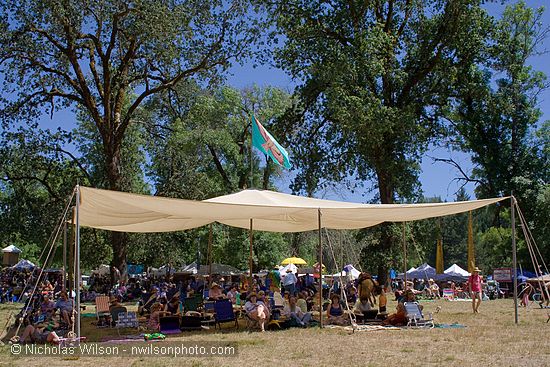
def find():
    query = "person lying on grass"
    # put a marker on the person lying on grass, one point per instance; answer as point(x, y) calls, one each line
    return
point(41, 334)
point(295, 313)
point(256, 310)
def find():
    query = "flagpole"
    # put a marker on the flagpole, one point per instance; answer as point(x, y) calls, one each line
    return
point(251, 162)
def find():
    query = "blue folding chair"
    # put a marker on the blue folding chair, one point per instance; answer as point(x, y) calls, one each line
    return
point(224, 313)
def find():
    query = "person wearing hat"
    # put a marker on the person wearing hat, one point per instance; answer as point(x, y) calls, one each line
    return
point(114, 302)
point(474, 286)
point(289, 282)
point(215, 292)
point(256, 310)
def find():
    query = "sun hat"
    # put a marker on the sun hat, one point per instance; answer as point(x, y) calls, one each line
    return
point(477, 269)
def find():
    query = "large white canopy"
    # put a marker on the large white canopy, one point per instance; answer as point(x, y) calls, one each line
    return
point(270, 211)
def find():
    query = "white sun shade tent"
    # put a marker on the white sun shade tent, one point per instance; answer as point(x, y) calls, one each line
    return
point(271, 211)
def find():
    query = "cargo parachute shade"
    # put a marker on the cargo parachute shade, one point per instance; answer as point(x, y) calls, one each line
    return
point(271, 211)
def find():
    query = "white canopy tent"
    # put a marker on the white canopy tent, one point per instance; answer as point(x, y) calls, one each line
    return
point(352, 273)
point(455, 269)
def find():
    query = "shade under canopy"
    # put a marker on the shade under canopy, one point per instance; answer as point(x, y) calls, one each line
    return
point(271, 211)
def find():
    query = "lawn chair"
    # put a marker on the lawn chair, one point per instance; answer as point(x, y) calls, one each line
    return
point(125, 320)
point(102, 311)
point(415, 316)
point(192, 303)
point(224, 313)
point(115, 312)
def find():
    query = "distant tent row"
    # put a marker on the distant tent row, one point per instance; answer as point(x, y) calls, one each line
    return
point(426, 272)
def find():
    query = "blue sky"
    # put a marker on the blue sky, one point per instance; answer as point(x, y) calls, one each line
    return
point(436, 178)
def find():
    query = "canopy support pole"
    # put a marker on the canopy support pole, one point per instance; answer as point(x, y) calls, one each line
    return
point(320, 270)
point(251, 238)
point(404, 256)
point(70, 267)
point(77, 261)
point(64, 254)
point(514, 257)
point(210, 256)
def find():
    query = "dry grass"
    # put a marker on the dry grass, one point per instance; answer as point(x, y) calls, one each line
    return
point(490, 339)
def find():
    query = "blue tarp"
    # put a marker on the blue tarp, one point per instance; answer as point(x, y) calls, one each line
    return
point(135, 269)
point(23, 265)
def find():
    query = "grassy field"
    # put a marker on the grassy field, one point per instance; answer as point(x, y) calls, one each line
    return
point(490, 338)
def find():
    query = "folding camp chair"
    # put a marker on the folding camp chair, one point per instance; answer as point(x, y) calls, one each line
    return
point(192, 303)
point(415, 316)
point(224, 313)
point(102, 311)
point(125, 320)
point(170, 325)
point(115, 312)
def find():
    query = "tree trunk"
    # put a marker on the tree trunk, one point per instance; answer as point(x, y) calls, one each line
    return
point(267, 174)
point(386, 191)
point(119, 240)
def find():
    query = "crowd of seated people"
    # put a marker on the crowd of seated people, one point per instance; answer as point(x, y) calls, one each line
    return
point(44, 320)
point(18, 284)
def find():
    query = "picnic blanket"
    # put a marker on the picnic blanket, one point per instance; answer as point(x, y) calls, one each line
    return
point(449, 326)
point(363, 327)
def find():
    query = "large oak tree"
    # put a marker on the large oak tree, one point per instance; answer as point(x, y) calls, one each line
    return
point(374, 78)
point(106, 57)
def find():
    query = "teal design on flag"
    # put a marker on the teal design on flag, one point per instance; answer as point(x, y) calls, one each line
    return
point(263, 140)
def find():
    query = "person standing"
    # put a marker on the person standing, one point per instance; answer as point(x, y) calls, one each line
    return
point(474, 286)
point(289, 282)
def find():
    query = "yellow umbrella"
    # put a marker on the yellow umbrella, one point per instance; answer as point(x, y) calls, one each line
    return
point(293, 260)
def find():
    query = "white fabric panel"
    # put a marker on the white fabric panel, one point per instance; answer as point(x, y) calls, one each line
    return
point(270, 211)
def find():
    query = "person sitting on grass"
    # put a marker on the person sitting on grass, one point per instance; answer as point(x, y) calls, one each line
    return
point(335, 313)
point(156, 314)
point(295, 313)
point(399, 318)
point(41, 334)
point(380, 291)
point(256, 310)
point(361, 307)
point(301, 301)
point(433, 289)
point(65, 306)
point(47, 307)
